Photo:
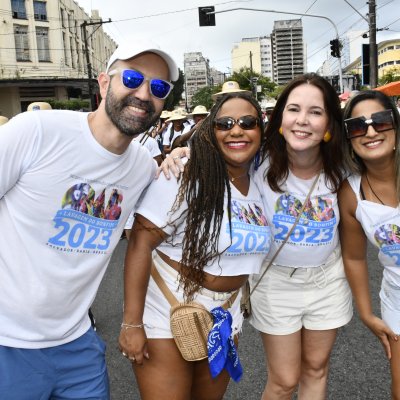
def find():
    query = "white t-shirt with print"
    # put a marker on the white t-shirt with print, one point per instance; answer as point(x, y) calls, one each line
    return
point(250, 230)
point(64, 200)
point(381, 225)
point(316, 235)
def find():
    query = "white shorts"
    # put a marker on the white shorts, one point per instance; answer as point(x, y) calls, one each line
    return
point(316, 298)
point(157, 308)
point(390, 305)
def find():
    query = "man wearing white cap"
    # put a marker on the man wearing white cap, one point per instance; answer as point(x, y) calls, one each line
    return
point(69, 181)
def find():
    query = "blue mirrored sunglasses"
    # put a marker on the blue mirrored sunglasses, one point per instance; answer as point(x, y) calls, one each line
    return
point(132, 79)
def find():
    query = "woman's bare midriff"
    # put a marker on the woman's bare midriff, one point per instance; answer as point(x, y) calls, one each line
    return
point(212, 282)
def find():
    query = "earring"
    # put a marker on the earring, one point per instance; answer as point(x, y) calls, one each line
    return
point(327, 137)
point(280, 130)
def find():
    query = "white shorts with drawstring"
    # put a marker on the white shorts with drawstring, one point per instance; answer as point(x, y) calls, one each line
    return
point(288, 299)
point(390, 305)
point(157, 308)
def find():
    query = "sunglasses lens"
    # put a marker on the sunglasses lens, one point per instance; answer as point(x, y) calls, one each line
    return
point(382, 121)
point(224, 123)
point(132, 79)
point(356, 127)
point(248, 122)
point(160, 88)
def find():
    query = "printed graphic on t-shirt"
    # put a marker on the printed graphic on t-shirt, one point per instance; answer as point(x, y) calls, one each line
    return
point(387, 237)
point(316, 225)
point(86, 222)
point(250, 231)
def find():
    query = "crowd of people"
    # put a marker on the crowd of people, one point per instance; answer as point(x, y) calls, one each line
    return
point(285, 202)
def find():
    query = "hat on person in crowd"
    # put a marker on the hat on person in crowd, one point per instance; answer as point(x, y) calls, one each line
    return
point(39, 105)
point(132, 48)
point(165, 114)
point(198, 110)
point(229, 87)
point(3, 120)
point(177, 114)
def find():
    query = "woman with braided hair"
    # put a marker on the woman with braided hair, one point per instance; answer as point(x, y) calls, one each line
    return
point(206, 244)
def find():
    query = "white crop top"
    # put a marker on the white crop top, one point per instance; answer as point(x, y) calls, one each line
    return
point(251, 235)
point(381, 225)
point(315, 236)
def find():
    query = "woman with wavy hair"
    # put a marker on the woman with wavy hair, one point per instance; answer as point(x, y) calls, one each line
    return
point(369, 207)
point(209, 232)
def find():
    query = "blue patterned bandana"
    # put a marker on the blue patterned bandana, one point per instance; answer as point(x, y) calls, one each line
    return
point(222, 352)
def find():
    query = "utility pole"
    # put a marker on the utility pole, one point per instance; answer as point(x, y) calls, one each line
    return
point(373, 56)
point(88, 64)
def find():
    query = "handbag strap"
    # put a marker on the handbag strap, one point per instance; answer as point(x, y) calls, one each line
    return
point(287, 236)
point(172, 299)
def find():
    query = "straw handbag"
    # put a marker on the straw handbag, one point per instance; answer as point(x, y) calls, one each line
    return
point(190, 322)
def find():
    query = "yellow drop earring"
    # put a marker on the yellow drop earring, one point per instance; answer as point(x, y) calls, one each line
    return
point(327, 137)
point(280, 130)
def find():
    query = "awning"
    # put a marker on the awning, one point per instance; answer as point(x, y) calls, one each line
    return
point(390, 89)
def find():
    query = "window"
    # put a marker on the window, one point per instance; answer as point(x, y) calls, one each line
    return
point(42, 40)
point(21, 43)
point(39, 10)
point(65, 49)
point(18, 9)
point(62, 15)
point(71, 46)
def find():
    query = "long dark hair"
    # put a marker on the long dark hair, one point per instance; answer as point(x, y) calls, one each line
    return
point(354, 163)
point(275, 144)
point(204, 184)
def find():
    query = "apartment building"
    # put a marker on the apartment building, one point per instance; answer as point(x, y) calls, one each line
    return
point(388, 59)
point(287, 50)
point(44, 52)
point(197, 74)
point(247, 54)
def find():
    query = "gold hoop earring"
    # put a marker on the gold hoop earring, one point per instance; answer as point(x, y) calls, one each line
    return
point(327, 137)
point(280, 130)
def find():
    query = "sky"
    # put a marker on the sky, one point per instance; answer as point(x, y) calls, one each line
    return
point(174, 24)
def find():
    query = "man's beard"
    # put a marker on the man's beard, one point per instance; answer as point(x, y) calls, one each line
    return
point(122, 118)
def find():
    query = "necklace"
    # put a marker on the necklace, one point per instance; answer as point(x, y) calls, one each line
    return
point(372, 190)
point(234, 178)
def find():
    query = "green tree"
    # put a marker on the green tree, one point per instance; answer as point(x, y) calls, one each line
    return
point(203, 96)
point(393, 75)
point(76, 104)
point(244, 79)
point(176, 94)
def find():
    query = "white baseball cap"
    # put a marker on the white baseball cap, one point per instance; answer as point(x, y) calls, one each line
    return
point(134, 47)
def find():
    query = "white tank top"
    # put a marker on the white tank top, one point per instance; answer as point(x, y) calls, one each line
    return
point(381, 225)
point(315, 237)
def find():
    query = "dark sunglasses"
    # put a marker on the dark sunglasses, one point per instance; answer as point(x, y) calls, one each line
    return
point(132, 79)
point(227, 123)
point(381, 121)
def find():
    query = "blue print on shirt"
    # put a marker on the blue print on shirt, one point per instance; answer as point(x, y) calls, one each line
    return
point(85, 223)
point(250, 231)
point(316, 225)
point(387, 237)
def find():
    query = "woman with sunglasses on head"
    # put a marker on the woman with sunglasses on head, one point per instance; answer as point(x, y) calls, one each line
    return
point(304, 297)
point(209, 232)
point(369, 208)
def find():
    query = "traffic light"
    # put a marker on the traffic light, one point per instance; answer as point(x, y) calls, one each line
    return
point(335, 48)
point(206, 19)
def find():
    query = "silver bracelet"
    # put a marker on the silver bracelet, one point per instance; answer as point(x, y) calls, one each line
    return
point(129, 326)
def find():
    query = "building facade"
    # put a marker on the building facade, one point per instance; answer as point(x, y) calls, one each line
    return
point(197, 74)
point(247, 54)
point(44, 52)
point(388, 59)
point(287, 50)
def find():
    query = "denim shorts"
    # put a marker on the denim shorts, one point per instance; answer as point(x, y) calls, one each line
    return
point(75, 370)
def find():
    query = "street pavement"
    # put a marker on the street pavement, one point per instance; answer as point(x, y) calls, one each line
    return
point(359, 369)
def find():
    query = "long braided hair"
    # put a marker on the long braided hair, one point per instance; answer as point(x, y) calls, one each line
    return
point(203, 186)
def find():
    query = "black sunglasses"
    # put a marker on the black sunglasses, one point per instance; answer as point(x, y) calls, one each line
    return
point(133, 79)
point(227, 123)
point(381, 121)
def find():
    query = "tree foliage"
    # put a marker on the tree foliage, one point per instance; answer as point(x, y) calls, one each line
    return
point(203, 96)
point(392, 75)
